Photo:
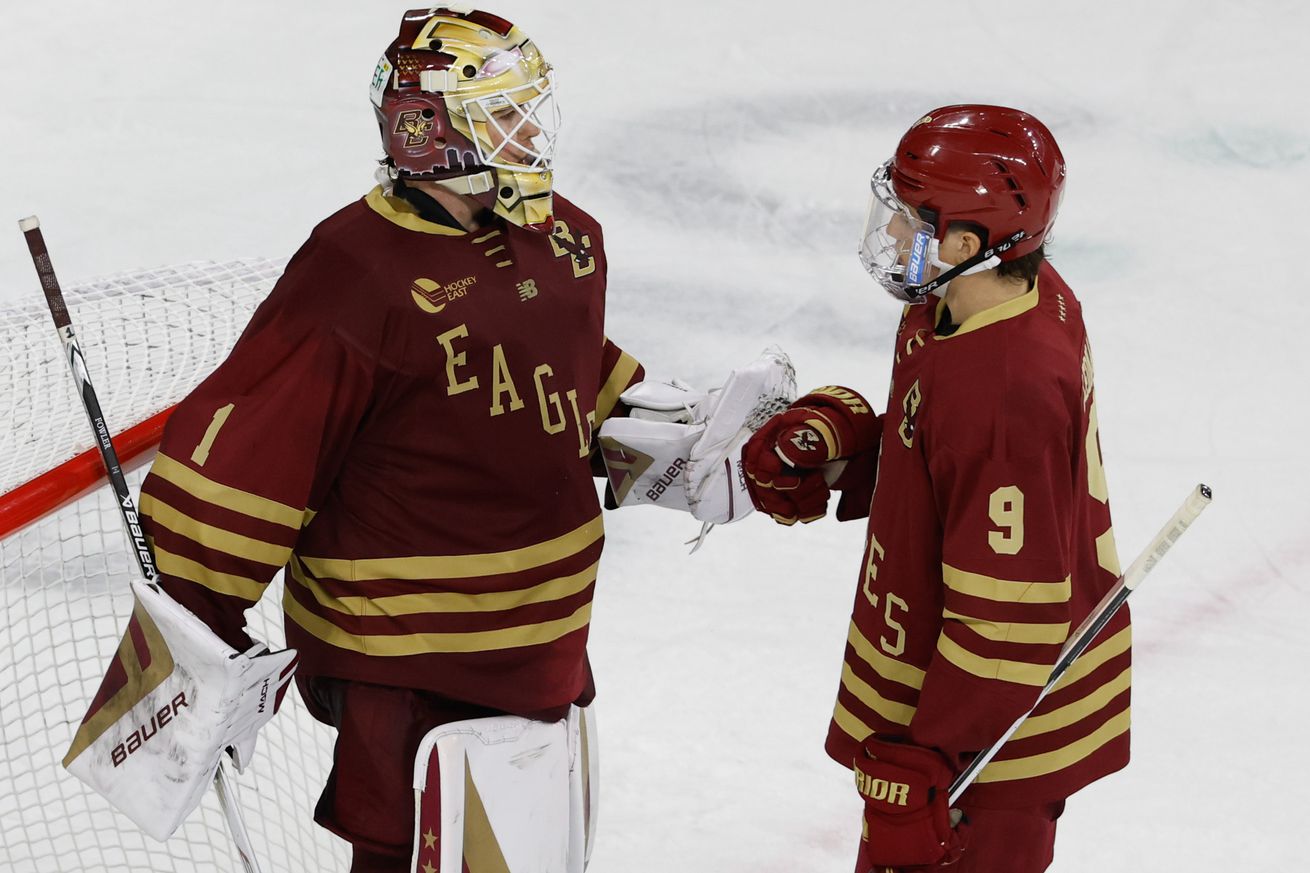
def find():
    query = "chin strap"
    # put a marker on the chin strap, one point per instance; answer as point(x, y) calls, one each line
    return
point(984, 260)
point(469, 185)
point(474, 183)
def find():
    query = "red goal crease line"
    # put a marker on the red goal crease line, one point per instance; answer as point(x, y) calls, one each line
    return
point(75, 478)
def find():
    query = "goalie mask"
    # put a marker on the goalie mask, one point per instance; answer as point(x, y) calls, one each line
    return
point(999, 170)
point(465, 99)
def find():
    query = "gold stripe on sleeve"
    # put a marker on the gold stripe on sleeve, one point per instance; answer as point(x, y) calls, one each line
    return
point(222, 583)
point(449, 601)
point(211, 537)
point(1013, 631)
point(206, 489)
point(993, 668)
point(459, 566)
point(884, 666)
point(399, 645)
point(1050, 762)
point(897, 713)
point(624, 369)
point(854, 728)
point(1003, 590)
point(1076, 711)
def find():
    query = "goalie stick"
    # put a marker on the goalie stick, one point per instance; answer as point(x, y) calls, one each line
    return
point(31, 228)
point(1099, 617)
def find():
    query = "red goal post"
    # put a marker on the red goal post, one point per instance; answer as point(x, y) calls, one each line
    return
point(149, 337)
point(75, 478)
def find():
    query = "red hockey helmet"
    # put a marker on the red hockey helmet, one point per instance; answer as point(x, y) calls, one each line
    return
point(465, 99)
point(998, 168)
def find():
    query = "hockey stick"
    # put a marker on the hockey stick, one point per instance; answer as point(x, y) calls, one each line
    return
point(1099, 617)
point(141, 551)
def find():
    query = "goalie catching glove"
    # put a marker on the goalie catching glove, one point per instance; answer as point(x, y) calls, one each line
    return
point(681, 448)
point(174, 699)
point(792, 460)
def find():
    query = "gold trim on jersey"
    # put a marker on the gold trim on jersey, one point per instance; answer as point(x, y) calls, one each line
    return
point(211, 537)
point(401, 213)
point(1018, 672)
point(1004, 590)
point(1107, 555)
point(1071, 713)
point(1059, 759)
point(885, 666)
point(400, 645)
point(1001, 312)
point(897, 713)
point(429, 603)
point(459, 566)
point(225, 496)
point(222, 583)
point(621, 374)
point(1013, 631)
point(854, 728)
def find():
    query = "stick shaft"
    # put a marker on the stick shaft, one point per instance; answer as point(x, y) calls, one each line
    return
point(127, 511)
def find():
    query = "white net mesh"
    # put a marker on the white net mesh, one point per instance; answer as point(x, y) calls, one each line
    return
point(149, 337)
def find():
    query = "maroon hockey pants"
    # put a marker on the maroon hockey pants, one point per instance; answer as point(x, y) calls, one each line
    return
point(369, 798)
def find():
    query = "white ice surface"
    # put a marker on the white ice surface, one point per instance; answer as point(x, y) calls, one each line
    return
point(726, 147)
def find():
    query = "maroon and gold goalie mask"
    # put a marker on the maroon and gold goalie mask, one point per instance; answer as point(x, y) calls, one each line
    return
point(465, 99)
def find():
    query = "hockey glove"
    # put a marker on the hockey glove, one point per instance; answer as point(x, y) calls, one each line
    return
point(907, 822)
point(174, 701)
point(681, 448)
point(784, 459)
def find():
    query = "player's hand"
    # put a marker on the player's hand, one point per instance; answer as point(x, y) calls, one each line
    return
point(907, 819)
point(783, 460)
point(787, 493)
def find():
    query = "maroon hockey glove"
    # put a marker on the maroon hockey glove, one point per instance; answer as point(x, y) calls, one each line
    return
point(786, 493)
point(907, 822)
point(783, 460)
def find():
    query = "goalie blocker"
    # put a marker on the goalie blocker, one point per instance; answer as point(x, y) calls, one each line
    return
point(507, 793)
point(173, 700)
point(681, 449)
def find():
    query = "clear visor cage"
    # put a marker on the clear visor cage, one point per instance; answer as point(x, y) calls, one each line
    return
point(897, 247)
point(522, 125)
point(900, 249)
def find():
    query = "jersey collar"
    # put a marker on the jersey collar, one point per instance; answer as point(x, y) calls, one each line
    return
point(403, 213)
point(1001, 312)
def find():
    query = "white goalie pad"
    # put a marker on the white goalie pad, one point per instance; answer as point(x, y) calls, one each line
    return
point(173, 700)
point(506, 793)
point(681, 449)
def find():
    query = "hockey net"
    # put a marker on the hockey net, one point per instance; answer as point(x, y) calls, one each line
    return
point(149, 338)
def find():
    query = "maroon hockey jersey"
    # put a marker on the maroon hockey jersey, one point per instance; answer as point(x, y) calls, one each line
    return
point(989, 538)
point(405, 425)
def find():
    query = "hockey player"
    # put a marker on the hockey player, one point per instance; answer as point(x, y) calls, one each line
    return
point(406, 426)
point(988, 520)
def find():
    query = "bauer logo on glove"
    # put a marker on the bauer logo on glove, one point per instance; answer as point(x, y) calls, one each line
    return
point(681, 448)
point(173, 702)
